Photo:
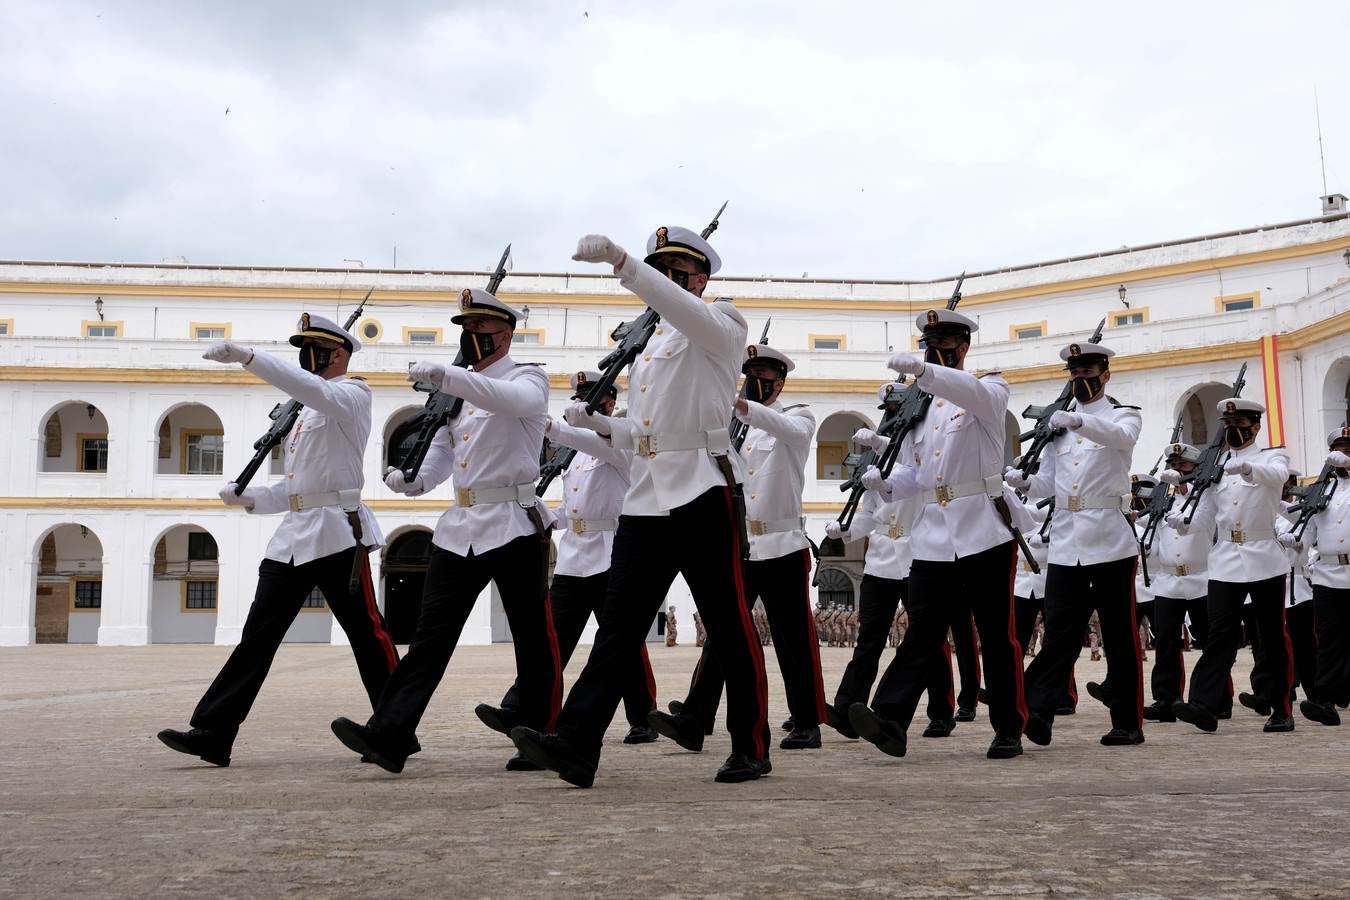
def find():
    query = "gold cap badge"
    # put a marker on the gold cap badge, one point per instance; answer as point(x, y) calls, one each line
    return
point(1075, 350)
point(932, 317)
point(581, 379)
point(1231, 407)
point(465, 298)
point(1176, 448)
point(304, 322)
point(661, 237)
point(752, 351)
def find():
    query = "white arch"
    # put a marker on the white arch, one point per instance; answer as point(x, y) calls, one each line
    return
point(168, 622)
point(89, 621)
point(1335, 399)
point(55, 409)
point(1207, 394)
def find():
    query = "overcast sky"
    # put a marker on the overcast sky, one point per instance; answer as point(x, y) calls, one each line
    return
point(854, 140)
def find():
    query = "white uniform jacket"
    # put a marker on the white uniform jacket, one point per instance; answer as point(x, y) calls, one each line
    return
point(887, 526)
point(1299, 588)
point(493, 443)
point(593, 485)
point(1328, 534)
point(1245, 507)
point(774, 453)
point(959, 442)
point(322, 455)
point(1179, 563)
point(1090, 464)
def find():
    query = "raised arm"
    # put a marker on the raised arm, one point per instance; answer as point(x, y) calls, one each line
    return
point(1271, 468)
point(795, 428)
point(985, 398)
point(328, 397)
point(707, 327)
point(520, 397)
point(1120, 432)
point(588, 441)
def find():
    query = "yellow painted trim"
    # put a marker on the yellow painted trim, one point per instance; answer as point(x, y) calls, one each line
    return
point(83, 609)
point(1116, 315)
point(8, 326)
point(1221, 303)
point(86, 324)
point(80, 438)
point(535, 331)
point(813, 339)
point(182, 595)
point(361, 331)
point(183, 437)
point(193, 326)
point(408, 330)
point(1043, 325)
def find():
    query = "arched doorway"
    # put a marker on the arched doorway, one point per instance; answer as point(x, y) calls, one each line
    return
point(1335, 400)
point(405, 573)
point(834, 587)
point(834, 444)
point(398, 438)
point(1198, 409)
point(1012, 438)
point(190, 440)
point(184, 587)
point(74, 438)
point(69, 597)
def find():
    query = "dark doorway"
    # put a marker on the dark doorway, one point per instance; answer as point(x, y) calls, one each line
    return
point(405, 573)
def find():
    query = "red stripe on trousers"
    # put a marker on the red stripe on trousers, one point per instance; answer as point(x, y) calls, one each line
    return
point(555, 696)
point(951, 676)
point(1138, 648)
point(975, 649)
point(1288, 657)
point(817, 679)
point(651, 678)
point(372, 611)
point(751, 635)
point(1018, 685)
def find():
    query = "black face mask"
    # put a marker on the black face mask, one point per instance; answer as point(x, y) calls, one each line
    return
point(1237, 435)
point(759, 389)
point(1085, 387)
point(935, 357)
point(314, 358)
point(476, 346)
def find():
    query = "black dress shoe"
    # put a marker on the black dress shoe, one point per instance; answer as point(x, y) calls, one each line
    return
point(681, 729)
point(640, 734)
point(1038, 731)
point(1225, 712)
point(1066, 710)
point(413, 747)
point(939, 728)
point(518, 763)
point(789, 725)
point(802, 739)
point(676, 707)
point(885, 735)
point(209, 746)
point(1258, 705)
point(1278, 723)
point(499, 720)
point(740, 767)
point(1159, 711)
point(367, 743)
point(552, 752)
point(1325, 713)
point(965, 714)
point(1004, 747)
point(1196, 715)
point(838, 720)
point(980, 696)
point(1119, 737)
point(1097, 691)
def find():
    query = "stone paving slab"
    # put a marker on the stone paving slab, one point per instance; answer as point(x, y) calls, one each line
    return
point(92, 805)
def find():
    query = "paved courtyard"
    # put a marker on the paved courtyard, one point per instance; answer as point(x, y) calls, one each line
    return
point(92, 804)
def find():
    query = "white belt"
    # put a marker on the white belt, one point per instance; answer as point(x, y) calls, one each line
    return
point(1078, 504)
point(717, 441)
point(944, 494)
point(1182, 571)
point(1247, 537)
point(896, 532)
point(348, 500)
point(522, 493)
point(586, 526)
point(1334, 559)
point(774, 526)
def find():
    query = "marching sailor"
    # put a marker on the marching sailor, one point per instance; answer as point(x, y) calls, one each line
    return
point(1029, 594)
point(1328, 533)
point(497, 531)
point(1298, 606)
point(322, 542)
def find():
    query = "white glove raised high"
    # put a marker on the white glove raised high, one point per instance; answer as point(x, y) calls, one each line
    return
point(905, 364)
point(1016, 478)
point(1177, 522)
point(425, 370)
point(872, 480)
point(1170, 476)
point(228, 352)
point(866, 437)
point(1338, 460)
point(597, 248)
point(1064, 419)
point(577, 417)
point(1237, 467)
point(832, 530)
point(230, 498)
point(394, 480)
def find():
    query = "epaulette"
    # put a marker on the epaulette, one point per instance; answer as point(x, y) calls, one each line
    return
point(518, 365)
point(796, 406)
point(1118, 405)
point(988, 373)
point(356, 378)
point(1265, 449)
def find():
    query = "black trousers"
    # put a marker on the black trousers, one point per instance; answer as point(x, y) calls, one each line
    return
point(1210, 682)
point(784, 583)
point(573, 598)
point(1198, 610)
point(1331, 606)
point(700, 540)
point(1071, 594)
point(1260, 674)
point(1303, 643)
point(1025, 611)
point(967, 663)
point(281, 593)
point(943, 596)
point(452, 587)
point(1169, 657)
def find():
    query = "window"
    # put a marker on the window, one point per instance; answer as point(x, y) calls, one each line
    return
point(370, 330)
point(830, 461)
point(102, 329)
point(1129, 317)
point(210, 331)
point(203, 452)
point(421, 335)
point(1028, 331)
point(6, 327)
point(86, 594)
point(528, 336)
point(315, 600)
point(826, 342)
point(1237, 302)
point(93, 452)
point(199, 596)
point(202, 546)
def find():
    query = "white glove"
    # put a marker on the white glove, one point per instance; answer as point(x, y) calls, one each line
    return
point(832, 530)
point(1177, 522)
point(394, 480)
point(424, 370)
point(1170, 476)
point(577, 417)
point(905, 364)
point(1016, 478)
point(1237, 467)
point(1287, 539)
point(549, 424)
point(866, 437)
point(230, 498)
point(873, 481)
point(1065, 419)
point(227, 352)
point(598, 248)
point(1338, 460)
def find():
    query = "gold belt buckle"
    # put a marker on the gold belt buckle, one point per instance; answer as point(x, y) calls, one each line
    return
point(1238, 537)
point(1343, 559)
point(895, 532)
point(295, 503)
point(1075, 504)
point(464, 497)
point(1182, 571)
point(578, 526)
point(757, 527)
point(944, 495)
point(646, 446)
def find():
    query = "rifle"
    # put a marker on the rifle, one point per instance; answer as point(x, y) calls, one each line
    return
point(631, 338)
point(738, 429)
point(1160, 499)
point(440, 408)
point(1042, 435)
point(1209, 469)
point(283, 418)
point(1313, 499)
point(554, 457)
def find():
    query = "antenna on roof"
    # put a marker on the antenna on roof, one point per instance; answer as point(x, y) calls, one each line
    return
point(1317, 110)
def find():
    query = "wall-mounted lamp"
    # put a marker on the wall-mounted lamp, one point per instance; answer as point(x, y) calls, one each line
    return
point(98, 306)
point(84, 531)
point(1346, 255)
point(526, 310)
point(1120, 291)
point(91, 410)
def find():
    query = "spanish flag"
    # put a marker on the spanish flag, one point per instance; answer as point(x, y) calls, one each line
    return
point(1270, 367)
